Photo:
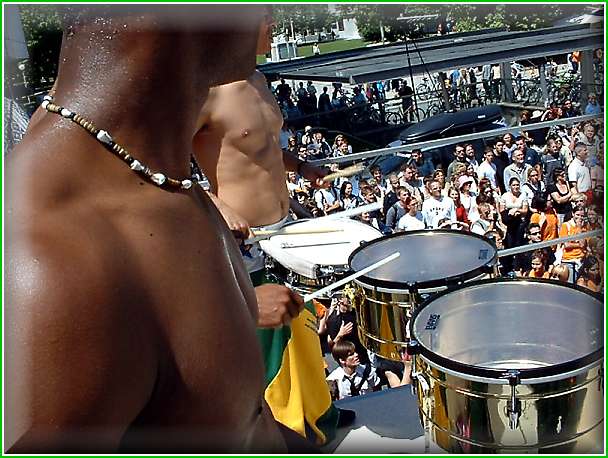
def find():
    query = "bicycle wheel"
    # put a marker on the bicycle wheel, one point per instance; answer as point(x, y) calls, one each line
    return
point(394, 119)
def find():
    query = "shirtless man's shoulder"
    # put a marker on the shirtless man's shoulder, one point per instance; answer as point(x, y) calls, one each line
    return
point(100, 275)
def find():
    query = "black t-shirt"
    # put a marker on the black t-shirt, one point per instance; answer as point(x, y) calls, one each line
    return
point(334, 322)
point(562, 208)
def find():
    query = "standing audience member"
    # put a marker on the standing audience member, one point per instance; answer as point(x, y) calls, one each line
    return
point(412, 220)
point(579, 174)
point(437, 207)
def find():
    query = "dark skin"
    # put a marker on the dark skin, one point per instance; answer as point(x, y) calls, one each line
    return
point(130, 319)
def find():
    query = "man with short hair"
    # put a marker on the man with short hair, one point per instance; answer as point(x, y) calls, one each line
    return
point(530, 154)
point(424, 166)
point(133, 279)
point(437, 208)
point(409, 181)
point(487, 169)
point(398, 209)
point(459, 158)
point(551, 160)
point(470, 156)
point(391, 196)
point(501, 161)
point(518, 168)
point(579, 174)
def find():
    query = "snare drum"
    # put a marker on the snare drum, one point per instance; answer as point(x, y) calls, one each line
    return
point(430, 261)
point(308, 262)
point(511, 366)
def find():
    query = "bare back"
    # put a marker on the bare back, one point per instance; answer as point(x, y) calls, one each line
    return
point(238, 149)
point(123, 308)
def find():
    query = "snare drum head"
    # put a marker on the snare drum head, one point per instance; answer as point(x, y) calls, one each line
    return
point(536, 327)
point(428, 258)
point(302, 252)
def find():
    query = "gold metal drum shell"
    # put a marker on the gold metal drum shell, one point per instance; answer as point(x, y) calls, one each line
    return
point(560, 416)
point(382, 320)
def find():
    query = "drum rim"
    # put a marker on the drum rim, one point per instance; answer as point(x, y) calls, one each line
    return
point(446, 282)
point(484, 372)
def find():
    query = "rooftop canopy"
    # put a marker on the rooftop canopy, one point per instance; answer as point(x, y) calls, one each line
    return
point(439, 53)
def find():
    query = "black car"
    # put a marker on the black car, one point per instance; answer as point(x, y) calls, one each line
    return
point(445, 125)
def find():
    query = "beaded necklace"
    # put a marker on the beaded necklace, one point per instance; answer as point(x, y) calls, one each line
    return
point(103, 137)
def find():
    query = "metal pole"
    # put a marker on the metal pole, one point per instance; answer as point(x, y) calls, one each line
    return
point(507, 82)
point(587, 77)
point(543, 84)
point(452, 140)
point(547, 243)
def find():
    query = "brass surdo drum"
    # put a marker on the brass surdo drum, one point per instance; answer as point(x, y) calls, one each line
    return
point(511, 366)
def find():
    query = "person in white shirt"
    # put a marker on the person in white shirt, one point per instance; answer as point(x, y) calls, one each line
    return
point(413, 219)
point(579, 175)
point(437, 207)
point(351, 378)
point(487, 169)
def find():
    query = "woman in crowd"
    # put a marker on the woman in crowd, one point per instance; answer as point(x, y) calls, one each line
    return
point(560, 193)
point(534, 187)
point(590, 274)
point(292, 145)
point(461, 212)
point(348, 199)
point(515, 214)
point(468, 198)
point(543, 214)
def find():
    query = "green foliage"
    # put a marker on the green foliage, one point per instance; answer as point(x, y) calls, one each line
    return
point(307, 19)
point(42, 30)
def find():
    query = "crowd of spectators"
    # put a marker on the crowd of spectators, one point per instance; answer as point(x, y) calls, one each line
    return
point(513, 191)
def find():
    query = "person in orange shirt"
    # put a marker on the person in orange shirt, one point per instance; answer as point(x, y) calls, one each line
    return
point(590, 274)
point(574, 251)
point(546, 217)
point(538, 266)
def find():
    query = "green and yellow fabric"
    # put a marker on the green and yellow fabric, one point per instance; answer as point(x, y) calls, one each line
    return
point(296, 390)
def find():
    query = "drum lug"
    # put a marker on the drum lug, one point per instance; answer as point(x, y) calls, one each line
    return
point(514, 404)
point(291, 278)
point(600, 381)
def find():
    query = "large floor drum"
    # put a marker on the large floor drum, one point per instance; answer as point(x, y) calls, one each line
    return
point(511, 366)
point(430, 261)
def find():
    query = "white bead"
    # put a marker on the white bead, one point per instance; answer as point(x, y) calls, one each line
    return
point(66, 113)
point(48, 97)
point(45, 103)
point(137, 166)
point(104, 137)
point(158, 178)
point(186, 184)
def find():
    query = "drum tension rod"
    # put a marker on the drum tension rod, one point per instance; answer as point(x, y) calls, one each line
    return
point(514, 404)
point(413, 349)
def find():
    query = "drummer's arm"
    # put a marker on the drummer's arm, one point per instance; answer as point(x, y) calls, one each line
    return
point(311, 172)
point(235, 222)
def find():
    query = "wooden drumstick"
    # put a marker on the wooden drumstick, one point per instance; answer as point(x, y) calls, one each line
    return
point(265, 234)
point(350, 278)
point(347, 172)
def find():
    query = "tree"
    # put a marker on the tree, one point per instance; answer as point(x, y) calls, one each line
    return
point(43, 31)
point(306, 19)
